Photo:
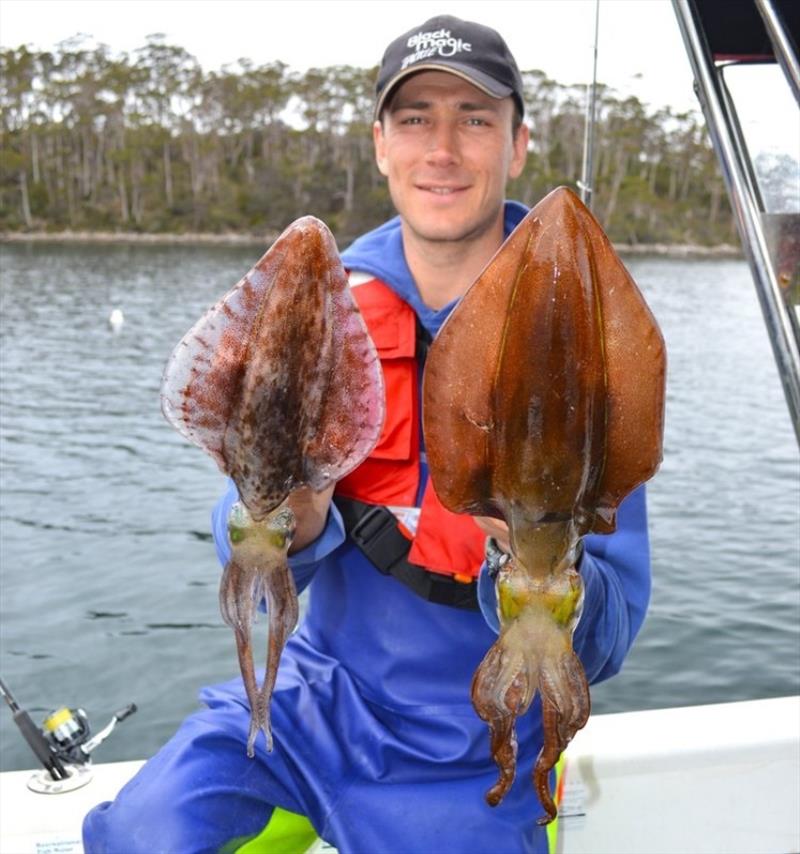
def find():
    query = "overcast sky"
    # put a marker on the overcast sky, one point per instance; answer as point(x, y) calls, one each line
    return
point(641, 51)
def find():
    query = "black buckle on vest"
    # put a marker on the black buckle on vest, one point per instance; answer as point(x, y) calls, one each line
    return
point(377, 535)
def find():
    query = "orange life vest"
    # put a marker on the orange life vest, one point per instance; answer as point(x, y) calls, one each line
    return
point(445, 542)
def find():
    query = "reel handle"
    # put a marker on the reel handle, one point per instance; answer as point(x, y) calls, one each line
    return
point(126, 712)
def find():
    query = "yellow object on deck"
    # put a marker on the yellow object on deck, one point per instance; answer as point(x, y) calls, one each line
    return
point(552, 828)
point(286, 833)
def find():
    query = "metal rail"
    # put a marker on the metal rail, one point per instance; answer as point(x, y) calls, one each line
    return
point(781, 42)
point(731, 152)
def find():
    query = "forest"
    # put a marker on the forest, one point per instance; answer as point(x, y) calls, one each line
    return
point(149, 142)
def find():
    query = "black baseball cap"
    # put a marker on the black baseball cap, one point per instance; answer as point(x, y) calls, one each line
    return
point(472, 51)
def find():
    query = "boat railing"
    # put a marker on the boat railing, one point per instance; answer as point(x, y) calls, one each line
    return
point(771, 238)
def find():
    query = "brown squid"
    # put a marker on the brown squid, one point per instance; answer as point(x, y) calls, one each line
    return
point(280, 383)
point(543, 406)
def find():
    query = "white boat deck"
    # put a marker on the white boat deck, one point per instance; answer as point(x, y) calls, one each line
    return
point(721, 778)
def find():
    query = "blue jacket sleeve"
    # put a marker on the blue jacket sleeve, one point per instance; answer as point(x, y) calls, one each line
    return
point(303, 563)
point(616, 574)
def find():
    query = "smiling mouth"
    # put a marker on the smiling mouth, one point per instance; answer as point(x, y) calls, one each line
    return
point(441, 191)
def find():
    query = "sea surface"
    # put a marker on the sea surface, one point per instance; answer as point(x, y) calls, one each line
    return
point(108, 577)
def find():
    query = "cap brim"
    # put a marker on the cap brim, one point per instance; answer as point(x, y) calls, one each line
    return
point(477, 78)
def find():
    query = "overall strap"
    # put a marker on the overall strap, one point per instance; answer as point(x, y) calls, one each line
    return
point(374, 529)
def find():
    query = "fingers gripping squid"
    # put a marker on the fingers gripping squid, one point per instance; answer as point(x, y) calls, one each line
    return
point(280, 383)
point(543, 405)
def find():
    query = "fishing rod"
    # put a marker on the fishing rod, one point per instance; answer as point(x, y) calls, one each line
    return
point(33, 735)
point(63, 743)
point(586, 183)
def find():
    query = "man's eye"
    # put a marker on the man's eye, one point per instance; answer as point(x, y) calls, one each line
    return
point(476, 121)
point(413, 120)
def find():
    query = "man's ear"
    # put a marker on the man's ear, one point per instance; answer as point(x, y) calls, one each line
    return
point(520, 152)
point(380, 147)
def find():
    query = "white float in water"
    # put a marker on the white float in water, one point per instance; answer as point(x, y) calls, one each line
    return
point(116, 319)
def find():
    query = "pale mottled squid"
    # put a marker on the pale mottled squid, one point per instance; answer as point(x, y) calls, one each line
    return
point(280, 383)
point(543, 405)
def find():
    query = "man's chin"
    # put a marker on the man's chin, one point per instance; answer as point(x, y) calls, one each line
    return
point(451, 233)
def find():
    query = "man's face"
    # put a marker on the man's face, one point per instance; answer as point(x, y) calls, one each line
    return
point(447, 150)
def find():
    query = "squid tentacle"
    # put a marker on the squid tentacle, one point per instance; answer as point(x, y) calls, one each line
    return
point(503, 688)
point(282, 612)
point(496, 692)
point(565, 710)
point(504, 750)
point(238, 602)
point(545, 762)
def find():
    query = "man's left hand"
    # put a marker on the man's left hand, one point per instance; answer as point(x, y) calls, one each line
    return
point(495, 528)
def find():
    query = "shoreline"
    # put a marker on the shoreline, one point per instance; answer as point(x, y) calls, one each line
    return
point(164, 239)
point(670, 250)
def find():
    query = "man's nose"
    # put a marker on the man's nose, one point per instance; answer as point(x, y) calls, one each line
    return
point(443, 145)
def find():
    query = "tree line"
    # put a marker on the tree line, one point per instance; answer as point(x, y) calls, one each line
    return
point(150, 142)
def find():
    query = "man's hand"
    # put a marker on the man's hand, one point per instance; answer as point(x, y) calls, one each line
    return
point(311, 511)
point(495, 528)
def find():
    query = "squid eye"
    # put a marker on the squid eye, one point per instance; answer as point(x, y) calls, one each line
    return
point(278, 539)
point(235, 533)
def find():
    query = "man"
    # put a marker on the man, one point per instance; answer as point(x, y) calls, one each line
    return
point(376, 741)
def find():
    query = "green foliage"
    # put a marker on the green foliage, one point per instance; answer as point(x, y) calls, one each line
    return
point(152, 143)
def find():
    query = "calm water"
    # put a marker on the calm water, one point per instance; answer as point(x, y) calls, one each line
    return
point(109, 579)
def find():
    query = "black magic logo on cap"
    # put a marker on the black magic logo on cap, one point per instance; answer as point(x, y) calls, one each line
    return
point(436, 43)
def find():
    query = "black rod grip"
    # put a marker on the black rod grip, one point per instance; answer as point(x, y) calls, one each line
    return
point(38, 744)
